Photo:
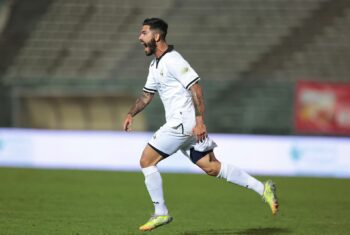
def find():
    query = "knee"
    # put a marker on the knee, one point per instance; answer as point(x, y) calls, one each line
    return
point(149, 157)
point(144, 162)
point(212, 170)
point(147, 160)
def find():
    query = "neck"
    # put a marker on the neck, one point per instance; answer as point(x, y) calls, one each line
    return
point(161, 48)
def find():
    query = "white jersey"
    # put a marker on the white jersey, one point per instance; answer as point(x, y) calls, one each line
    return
point(172, 76)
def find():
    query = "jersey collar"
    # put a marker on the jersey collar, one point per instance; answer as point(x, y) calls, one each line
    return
point(169, 49)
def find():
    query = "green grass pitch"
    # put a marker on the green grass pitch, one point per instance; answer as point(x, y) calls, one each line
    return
point(72, 202)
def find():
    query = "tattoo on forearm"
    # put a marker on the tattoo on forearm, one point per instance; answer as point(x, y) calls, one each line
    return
point(196, 103)
point(141, 103)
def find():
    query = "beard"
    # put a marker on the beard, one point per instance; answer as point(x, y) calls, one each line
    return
point(152, 46)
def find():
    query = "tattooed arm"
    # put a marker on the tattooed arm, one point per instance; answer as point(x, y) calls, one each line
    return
point(200, 130)
point(139, 105)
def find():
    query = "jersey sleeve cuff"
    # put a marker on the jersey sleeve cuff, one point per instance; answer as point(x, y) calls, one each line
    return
point(149, 90)
point(192, 82)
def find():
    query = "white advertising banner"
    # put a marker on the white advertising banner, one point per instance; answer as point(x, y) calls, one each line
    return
point(257, 154)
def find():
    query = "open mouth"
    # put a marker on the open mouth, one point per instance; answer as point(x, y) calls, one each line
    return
point(149, 48)
point(144, 44)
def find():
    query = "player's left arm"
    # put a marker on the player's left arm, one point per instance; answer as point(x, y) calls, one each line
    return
point(200, 130)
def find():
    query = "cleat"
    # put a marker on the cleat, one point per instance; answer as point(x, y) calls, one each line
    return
point(156, 221)
point(269, 196)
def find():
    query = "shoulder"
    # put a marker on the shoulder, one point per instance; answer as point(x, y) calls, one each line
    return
point(174, 58)
point(175, 55)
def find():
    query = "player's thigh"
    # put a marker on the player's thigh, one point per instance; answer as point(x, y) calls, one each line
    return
point(150, 157)
point(201, 153)
point(209, 164)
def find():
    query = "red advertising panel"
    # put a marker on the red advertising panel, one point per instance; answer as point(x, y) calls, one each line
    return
point(322, 108)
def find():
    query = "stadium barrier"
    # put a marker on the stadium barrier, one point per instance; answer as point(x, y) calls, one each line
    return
point(109, 150)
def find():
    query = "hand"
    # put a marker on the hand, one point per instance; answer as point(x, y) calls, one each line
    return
point(127, 123)
point(200, 132)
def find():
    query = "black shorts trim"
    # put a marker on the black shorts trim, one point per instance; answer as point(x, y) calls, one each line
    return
point(196, 155)
point(158, 151)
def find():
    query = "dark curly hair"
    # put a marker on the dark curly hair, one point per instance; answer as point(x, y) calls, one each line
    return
point(157, 24)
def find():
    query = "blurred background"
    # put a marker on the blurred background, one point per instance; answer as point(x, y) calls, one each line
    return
point(267, 67)
point(276, 81)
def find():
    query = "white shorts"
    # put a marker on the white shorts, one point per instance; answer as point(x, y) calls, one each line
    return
point(168, 140)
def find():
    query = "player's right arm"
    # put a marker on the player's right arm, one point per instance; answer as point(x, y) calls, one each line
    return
point(138, 106)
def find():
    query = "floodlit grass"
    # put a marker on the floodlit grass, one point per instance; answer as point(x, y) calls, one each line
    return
point(72, 202)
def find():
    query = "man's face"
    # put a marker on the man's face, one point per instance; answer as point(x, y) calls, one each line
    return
point(147, 40)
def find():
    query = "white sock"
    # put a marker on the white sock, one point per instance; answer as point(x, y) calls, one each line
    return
point(153, 182)
point(237, 176)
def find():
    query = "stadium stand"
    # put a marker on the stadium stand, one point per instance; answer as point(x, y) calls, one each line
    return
point(318, 62)
point(81, 40)
point(249, 53)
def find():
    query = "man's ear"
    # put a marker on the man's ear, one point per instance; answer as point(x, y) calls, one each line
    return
point(157, 37)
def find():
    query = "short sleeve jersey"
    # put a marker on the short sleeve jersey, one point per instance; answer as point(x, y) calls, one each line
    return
point(172, 76)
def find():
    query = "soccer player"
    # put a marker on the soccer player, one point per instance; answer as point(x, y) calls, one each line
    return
point(178, 87)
